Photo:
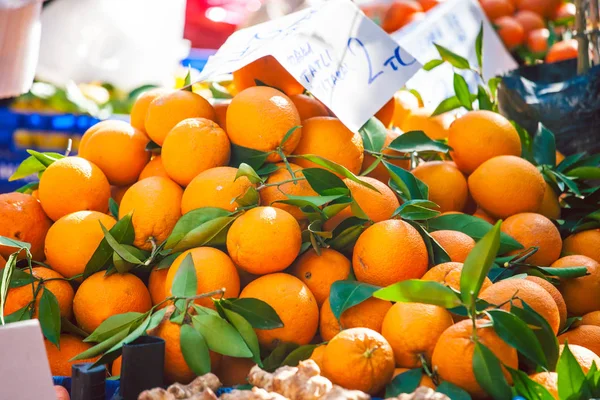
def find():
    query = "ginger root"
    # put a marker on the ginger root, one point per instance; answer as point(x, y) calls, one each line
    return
point(254, 394)
point(201, 388)
point(422, 393)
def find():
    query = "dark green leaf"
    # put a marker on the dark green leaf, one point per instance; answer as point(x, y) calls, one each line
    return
point(249, 172)
point(156, 319)
point(7, 272)
point(324, 182)
point(274, 360)
point(118, 248)
point(544, 146)
point(185, 283)
point(408, 186)
point(569, 161)
point(258, 313)
point(479, 47)
point(565, 273)
point(585, 173)
point(167, 261)
point(135, 93)
point(526, 143)
point(432, 64)
point(300, 354)
point(346, 234)
point(28, 188)
point(250, 198)
point(122, 266)
point(211, 233)
point(567, 181)
point(153, 147)
point(113, 207)
point(417, 210)
point(258, 82)
point(418, 291)
point(21, 314)
point(46, 159)
point(334, 167)
point(449, 104)
point(488, 373)
point(544, 332)
point(133, 333)
point(102, 347)
point(406, 382)
point(49, 316)
point(17, 244)
point(113, 325)
point(254, 158)
point(569, 323)
point(373, 133)
point(437, 254)
point(221, 336)
point(528, 388)
point(21, 278)
point(462, 91)
point(452, 391)
point(288, 134)
point(246, 331)
point(193, 220)
point(267, 169)
point(346, 294)
point(309, 201)
point(195, 350)
point(453, 58)
point(483, 99)
point(571, 379)
point(417, 141)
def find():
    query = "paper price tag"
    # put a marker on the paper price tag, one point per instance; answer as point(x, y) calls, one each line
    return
point(344, 59)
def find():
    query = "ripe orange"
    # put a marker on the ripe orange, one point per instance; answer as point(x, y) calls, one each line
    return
point(23, 219)
point(429, 4)
point(576, 292)
point(105, 124)
point(21, 296)
point(2, 262)
point(234, 371)
point(70, 346)
point(329, 138)
point(73, 239)
point(453, 354)
point(156, 285)
point(457, 244)
point(193, 146)
point(140, 107)
point(167, 110)
point(115, 369)
point(413, 329)
point(368, 314)
point(447, 185)
point(534, 230)
point(215, 187)
point(270, 194)
point(565, 10)
point(479, 213)
point(591, 318)
point(100, 297)
point(560, 51)
point(495, 9)
point(478, 136)
point(587, 336)
point(544, 8)
point(585, 243)
point(259, 118)
point(584, 356)
point(318, 354)
point(549, 380)
point(388, 252)
point(221, 108)
point(318, 272)
point(294, 303)
point(507, 185)
point(406, 103)
point(156, 206)
point(500, 293)
point(537, 40)
point(510, 31)
point(398, 13)
point(73, 184)
point(380, 172)
point(550, 207)
point(529, 20)
point(555, 293)
point(308, 107)
point(119, 151)
point(425, 380)
point(449, 274)
point(117, 193)
point(214, 270)
point(421, 120)
point(268, 71)
point(378, 206)
point(154, 168)
point(386, 114)
point(264, 240)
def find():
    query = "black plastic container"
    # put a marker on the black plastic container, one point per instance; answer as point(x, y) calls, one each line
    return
point(88, 383)
point(142, 367)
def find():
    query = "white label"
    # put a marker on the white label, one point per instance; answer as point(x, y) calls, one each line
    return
point(344, 59)
point(455, 25)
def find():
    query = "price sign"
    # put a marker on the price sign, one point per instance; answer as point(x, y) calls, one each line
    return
point(344, 59)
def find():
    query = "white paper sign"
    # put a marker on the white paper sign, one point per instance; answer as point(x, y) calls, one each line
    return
point(453, 24)
point(344, 59)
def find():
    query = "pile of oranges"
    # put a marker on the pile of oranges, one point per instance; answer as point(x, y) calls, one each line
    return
point(176, 157)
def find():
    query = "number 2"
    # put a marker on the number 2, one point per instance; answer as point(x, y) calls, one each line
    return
point(358, 41)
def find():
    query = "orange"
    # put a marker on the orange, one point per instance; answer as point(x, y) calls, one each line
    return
point(549, 380)
point(584, 356)
point(585, 243)
point(154, 168)
point(560, 51)
point(497, 8)
point(507, 185)
point(544, 8)
point(550, 207)
point(119, 151)
point(2, 262)
point(418, 16)
point(479, 213)
point(106, 124)
point(156, 206)
point(380, 172)
point(234, 371)
point(259, 117)
point(73, 239)
point(555, 293)
point(116, 366)
point(100, 297)
point(193, 146)
point(591, 318)
point(318, 354)
point(425, 380)
point(270, 194)
point(449, 274)
point(308, 106)
point(500, 293)
point(23, 219)
point(429, 4)
point(529, 20)
point(264, 240)
point(73, 184)
point(169, 109)
point(221, 108)
point(388, 252)
point(537, 40)
point(215, 187)
point(294, 303)
point(156, 285)
point(386, 114)
point(329, 138)
point(21, 296)
point(359, 359)
point(413, 329)
point(268, 71)
point(421, 120)
point(447, 185)
point(318, 272)
point(457, 244)
point(453, 354)
point(478, 136)
point(565, 10)
point(587, 336)
point(214, 270)
point(117, 193)
point(510, 31)
point(559, 157)
point(406, 102)
point(368, 314)
point(140, 107)
point(398, 13)
point(70, 346)
point(576, 292)
point(534, 230)
point(378, 205)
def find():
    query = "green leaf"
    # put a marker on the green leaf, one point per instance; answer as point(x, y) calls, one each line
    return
point(528, 388)
point(249, 172)
point(406, 382)
point(193, 220)
point(250, 198)
point(325, 182)
point(585, 173)
point(240, 154)
point(167, 261)
point(153, 147)
point(417, 210)
point(346, 234)
point(102, 347)
point(17, 244)
point(185, 283)
point(436, 253)
point(483, 99)
point(21, 278)
point(195, 350)
point(218, 91)
point(258, 313)
point(479, 47)
point(406, 184)
point(122, 265)
point(418, 291)
point(544, 146)
point(221, 336)
point(571, 379)
point(493, 85)
point(373, 133)
point(21, 314)
point(139, 330)
point(274, 360)
point(412, 141)
point(452, 391)
point(569, 161)
point(7, 272)
point(310, 201)
point(526, 144)
point(478, 263)
point(118, 248)
point(113, 207)
point(544, 332)
point(516, 333)
point(462, 91)
point(267, 169)
point(346, 294)
point(114, 324)
point(432, 64)
point(46, 159)
point(565, 273)
point(28, 188)
point(454, 59)
point(49, 316)
point(246, 331)
point(28, 167)
point(449, 104)
point(187, 81)
point(210, 233)
point(566, 181)
point(488, 373)
point(300, 354)
point(334, 167)
point(569, 323)
point(288, 134)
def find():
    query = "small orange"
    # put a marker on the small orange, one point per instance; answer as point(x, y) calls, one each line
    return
point(537, 40)
point(510, 31)
point(406, 102)
point(169, 109)
point(317, 355)
point(398, 13)
point(425, 380)
point(497, 8)
point(154, 168)
point(264, 240)
point(193, 146)
point(549, 380)
point(73, 184)
point(319, 272)
point(534, 230)
point(156, 285)
point(584, 356)
point(234, 371)
point(70, 346)
point(555, 293)
point(421, 120)
point(380, 172)
point(214, 270)
point(215, 187)
point(221, 108)
point(457, 244)
point(105, 124)
point(591, 318)
point(585, 243)
point(449, 274)
point(576, 292)
point(294, 303)
point(368, 314)
point(587, 336)
point(386, 114)
point(550, 207)
point(308, 106)
point(447, 185)
point(560, 51)
point(359, 359)
point(140, 107)
point(268, 71)
point(115, 369)
point(529, 20)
